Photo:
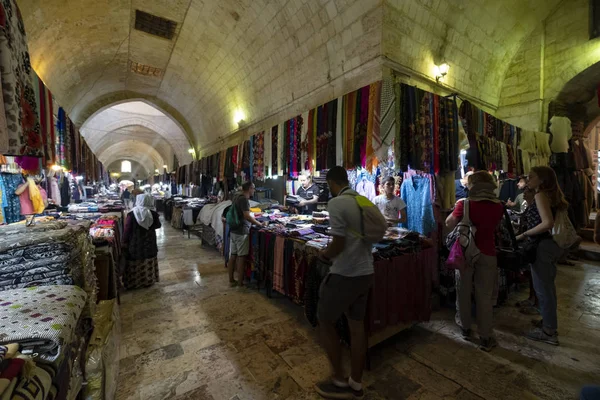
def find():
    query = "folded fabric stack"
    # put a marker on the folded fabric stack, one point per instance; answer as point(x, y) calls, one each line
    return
point(83, 207)
point(44, 324)
point(52, 257)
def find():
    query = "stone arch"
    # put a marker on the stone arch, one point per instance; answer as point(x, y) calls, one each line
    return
point(110, 118)
point(137, 151)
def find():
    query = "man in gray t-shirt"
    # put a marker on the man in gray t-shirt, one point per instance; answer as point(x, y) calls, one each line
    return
point(346, 289)
point(240, 238)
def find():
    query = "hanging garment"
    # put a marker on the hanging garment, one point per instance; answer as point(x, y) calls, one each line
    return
point(259, 156)
point(55, 191)
point(373, 124)
point(387, 133)
point(416, 193)
point(366, 188)
point(275, 150)
point(561, 134)
point(339, 149)
point(19, 95)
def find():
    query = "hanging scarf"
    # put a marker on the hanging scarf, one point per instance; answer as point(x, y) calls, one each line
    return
point(141, 211)
point(36, 197)
point(309, 142)
point(274, 150)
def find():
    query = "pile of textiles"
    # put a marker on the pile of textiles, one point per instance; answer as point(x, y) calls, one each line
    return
point(84, 207)
point(49, 337)
point(60, 256)
point(213, 229)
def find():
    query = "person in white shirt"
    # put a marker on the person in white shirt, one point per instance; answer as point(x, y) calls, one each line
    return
point(391, 206)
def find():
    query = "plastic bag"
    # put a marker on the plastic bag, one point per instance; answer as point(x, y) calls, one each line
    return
point(563, 233)
point(456, 259)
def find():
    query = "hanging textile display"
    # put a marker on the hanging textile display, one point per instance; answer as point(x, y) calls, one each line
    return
point(486, 135)
point(303, 142)
point(259, 154)
point(61, 126)
point(275, 150)
point(387, 133)
point(427, 132)
point(4, 148)
point(349, 121)
point(309, 144)
point(20, 106)
point(373, 124)
point(339, 149)
point(267, 156)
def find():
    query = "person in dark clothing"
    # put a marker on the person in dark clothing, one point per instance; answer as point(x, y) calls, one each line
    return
point(139, 239)
point(126, 197)
point(309, 192)
point(462, 192)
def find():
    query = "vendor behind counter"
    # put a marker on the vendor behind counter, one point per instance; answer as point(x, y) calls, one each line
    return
point(309, 192)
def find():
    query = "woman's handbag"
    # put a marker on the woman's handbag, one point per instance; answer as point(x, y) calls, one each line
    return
point(510, 258)
point(564, 233)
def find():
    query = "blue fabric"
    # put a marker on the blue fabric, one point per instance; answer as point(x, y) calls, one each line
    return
point(416, 193)
point(12, 206)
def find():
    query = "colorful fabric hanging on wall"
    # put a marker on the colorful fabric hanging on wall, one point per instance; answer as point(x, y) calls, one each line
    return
point(373, 124)
point(20, 106)
point(382, 143)
point(61, 131)
point(275, 150)
point(427, 134)
point(259, 156)
point(491, 141)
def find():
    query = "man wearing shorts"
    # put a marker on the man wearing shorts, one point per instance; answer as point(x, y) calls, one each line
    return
point(345, 290)
point(240, 238)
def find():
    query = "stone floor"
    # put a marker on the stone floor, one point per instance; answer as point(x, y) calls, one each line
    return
point(191, 337)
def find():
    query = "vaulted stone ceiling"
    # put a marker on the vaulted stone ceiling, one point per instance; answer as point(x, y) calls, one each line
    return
point(261, 56)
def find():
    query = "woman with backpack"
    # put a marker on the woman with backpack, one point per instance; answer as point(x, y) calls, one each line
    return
point(484, 211)
point(549, 200)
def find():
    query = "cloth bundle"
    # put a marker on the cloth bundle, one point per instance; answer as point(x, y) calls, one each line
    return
point(49, 323)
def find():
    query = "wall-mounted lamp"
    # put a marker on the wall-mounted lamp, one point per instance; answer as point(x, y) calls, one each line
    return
point(191, 150)
point(157, 171)
point(165, 166)
point(440, 71)
point(239, 117)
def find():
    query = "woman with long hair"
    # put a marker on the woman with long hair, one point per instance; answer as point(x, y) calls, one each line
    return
point(549, 199)
point(485, 213)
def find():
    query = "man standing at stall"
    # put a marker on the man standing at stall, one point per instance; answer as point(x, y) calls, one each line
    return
point(240, 235)
point(345, 290)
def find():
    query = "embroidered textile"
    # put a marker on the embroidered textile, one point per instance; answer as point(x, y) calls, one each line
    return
point(17, 88)
point(50, 323)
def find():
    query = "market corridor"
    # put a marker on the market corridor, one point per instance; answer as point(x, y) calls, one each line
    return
point(192, 337)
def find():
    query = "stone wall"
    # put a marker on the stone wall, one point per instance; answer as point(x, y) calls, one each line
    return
point(563, 43)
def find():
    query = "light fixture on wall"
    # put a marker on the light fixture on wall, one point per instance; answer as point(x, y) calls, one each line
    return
point(440, 71)
point(157, 171)
point(239, 117)
point(165, 166)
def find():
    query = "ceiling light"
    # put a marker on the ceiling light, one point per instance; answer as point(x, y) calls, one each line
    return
point(165, 166)
point(191, 151)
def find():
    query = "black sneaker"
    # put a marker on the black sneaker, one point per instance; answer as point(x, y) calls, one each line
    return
point(539, 335)
point(466, 334)
point(487, 344)
point(330, 391)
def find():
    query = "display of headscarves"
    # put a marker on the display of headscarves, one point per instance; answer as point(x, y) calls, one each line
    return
point(373, 124)
point(19, 95)
point(426, 130)
point(267, 155)
point(486, 133)
point(61, 130)
point(292, 134)
point(36, 197)
point(258, 144)
point(387, 108)
point(275, 150)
